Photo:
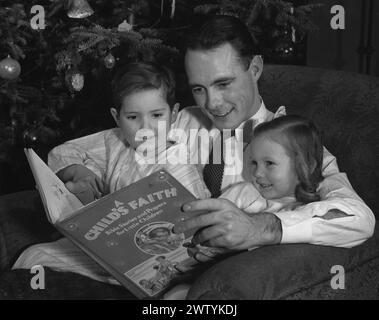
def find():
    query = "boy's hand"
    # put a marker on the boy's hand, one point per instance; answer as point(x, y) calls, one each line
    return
point(82, 182)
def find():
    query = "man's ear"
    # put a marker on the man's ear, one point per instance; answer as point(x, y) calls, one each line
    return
point(115, 115)
point(256, 67)
point(174, 112)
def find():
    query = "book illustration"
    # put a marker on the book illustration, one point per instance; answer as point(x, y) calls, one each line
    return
point(159, 272)
point(158, 238)
point(163, 271)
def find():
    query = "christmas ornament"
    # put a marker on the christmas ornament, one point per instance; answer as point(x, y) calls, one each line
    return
point(284, 50)
point(79, 9)
point(74, 80)
point(10, 68)
point(124, 26)
point(109, 61)
point(31, 136)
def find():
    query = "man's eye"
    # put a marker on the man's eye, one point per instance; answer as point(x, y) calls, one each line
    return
point(131, 117)
point(158, 115)
point(197, 90)
point(253, 163)
point(223, 85)
point(269, 163)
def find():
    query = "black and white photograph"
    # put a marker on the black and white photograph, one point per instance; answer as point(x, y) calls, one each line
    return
point(263, 114)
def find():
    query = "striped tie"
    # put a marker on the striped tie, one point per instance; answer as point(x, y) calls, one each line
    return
point(214, 172)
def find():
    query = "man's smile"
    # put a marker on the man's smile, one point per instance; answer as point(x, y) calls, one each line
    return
point(220, 115)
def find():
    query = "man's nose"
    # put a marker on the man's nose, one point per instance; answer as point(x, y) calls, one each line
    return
point(214, 100)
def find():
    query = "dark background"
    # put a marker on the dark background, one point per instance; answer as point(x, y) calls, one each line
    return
point(354, 49)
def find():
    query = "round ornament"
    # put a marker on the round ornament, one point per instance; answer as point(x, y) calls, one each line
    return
point(31, 136)
point(75, 80)
point(109, 61)
point(10, 68)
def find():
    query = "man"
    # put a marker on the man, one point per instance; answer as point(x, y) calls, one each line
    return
point(223, 72)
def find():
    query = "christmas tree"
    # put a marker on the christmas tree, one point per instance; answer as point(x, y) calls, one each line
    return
point(57, 58)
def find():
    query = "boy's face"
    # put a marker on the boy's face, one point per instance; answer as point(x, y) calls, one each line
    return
point(270, 168)
point(142, 110)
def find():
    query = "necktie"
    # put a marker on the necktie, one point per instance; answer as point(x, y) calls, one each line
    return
point(213, 173)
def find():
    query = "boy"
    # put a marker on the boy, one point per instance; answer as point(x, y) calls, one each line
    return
point(110, 159)
point(144, 103)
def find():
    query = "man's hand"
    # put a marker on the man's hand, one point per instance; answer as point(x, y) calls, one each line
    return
point(204, 254)
point(82, 182)
point(226, 226)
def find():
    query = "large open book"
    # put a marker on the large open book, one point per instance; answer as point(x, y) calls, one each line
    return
point(129, 232)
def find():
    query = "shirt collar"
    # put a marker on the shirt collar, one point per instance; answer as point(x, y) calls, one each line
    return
point(248, 125)
point(259, 117)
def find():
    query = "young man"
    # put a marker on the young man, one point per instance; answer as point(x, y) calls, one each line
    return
point(223, 71)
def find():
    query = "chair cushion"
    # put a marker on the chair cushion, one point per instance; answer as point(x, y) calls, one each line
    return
point(282, 271)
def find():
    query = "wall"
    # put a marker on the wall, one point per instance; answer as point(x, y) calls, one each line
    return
point(338, 49)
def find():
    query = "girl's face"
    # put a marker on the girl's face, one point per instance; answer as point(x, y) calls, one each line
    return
point(271, 169)
point(142, 111)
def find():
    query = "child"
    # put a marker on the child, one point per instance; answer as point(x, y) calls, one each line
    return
point(284, 165)
point(143, 101)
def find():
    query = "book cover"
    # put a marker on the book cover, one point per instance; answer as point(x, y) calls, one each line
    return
point(129, 232)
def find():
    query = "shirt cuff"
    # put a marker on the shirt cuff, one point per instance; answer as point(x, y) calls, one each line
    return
point(297, 233)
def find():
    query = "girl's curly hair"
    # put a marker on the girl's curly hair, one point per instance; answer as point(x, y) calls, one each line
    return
point(302, 141)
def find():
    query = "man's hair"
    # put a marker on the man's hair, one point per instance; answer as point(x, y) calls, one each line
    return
point(302, 142)
point(219, 30)
point(140, 76)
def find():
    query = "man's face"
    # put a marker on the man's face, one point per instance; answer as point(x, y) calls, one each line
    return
point(222, 85)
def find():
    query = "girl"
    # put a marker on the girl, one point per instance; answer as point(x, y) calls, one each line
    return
point(283, 164)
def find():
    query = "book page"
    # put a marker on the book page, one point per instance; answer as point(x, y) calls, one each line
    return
point(59, 203)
